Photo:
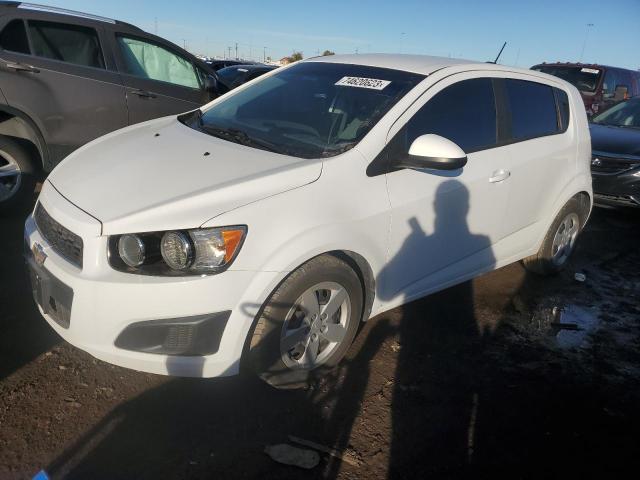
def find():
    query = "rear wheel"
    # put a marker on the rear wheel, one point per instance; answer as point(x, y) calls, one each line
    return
point(559, 242)
point(17, 176)
point(308, 323)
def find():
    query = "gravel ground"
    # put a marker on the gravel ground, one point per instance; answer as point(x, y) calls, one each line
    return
point(477, 380)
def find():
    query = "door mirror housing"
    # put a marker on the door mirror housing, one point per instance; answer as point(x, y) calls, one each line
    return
point(435, 152)
point(211, 84)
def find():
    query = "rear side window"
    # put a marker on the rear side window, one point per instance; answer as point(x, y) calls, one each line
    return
point(464, 113)
point(151, 61)
point(533, 109)
point(14, 37)
point(66, 43)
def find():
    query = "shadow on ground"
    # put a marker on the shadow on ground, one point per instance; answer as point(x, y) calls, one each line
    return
point(466, 382)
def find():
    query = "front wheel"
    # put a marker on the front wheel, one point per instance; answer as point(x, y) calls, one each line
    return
point(308, 323)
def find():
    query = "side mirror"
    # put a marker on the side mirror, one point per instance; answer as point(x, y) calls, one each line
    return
point(434, 151)
point(211, 84)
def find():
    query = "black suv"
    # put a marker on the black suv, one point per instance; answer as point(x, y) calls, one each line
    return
point(68, 77)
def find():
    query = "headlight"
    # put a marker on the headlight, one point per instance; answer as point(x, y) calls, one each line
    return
point(178, 252)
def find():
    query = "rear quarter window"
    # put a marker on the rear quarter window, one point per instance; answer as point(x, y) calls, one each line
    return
point(14, 37)
point(533, 109)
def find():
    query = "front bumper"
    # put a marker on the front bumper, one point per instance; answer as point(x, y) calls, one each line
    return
point(621, 189)
point(105, 302)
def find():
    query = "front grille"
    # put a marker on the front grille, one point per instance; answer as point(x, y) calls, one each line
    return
point(63, 241)
point(612, 166)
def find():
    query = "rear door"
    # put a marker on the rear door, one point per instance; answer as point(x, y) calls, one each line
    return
point(159, 79)
point(542, 150)
point(58, 74)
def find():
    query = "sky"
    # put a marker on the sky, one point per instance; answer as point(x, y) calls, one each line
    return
point(535, 31)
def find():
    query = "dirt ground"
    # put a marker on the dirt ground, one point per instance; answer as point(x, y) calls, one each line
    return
point(475, 381)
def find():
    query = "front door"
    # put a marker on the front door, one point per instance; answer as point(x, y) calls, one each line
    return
point(444, 223)
point(159, 80)
point(58, 75)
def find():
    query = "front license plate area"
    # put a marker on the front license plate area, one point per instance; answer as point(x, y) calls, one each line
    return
point(54, 297)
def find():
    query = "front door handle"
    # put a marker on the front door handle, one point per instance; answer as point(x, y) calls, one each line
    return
point(499, 176)
point(143, 93)
point(21, 67)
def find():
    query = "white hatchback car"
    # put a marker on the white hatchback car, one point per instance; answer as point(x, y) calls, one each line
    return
point(266, 226)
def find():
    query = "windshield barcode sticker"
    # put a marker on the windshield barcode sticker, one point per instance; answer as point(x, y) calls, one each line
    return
point(589, 70)
point(359, 82)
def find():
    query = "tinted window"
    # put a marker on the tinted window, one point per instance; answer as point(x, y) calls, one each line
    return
point(148, 60)
point(14, 37)
point(563, 106)
point(533, 109)
point(464, 113)
point(67, 43)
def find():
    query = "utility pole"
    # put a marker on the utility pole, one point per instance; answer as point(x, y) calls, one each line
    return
point(229, 56)
point(264, 54)
point(184, 43)
point(584, 44)
point(236, 50)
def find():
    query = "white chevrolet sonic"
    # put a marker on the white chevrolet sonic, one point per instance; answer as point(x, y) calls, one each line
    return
point(261, 230)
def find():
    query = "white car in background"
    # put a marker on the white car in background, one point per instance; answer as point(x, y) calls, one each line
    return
point(266, 226)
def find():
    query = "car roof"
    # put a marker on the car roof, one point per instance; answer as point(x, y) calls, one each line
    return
point(578, 65)
point(423, 64)
point(6, 5)
point(251, 66)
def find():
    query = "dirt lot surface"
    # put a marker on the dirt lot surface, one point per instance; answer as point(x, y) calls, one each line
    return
point(475, 381)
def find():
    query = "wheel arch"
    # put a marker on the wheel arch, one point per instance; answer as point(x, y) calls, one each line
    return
point(16, 124)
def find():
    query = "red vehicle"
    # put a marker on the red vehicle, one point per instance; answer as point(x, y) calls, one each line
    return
point(600, 86)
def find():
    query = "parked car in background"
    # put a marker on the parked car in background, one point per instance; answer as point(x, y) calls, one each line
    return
point(68, 77)
point(220, 64)
point(232, 77)
point(264, 228)
point(600, 85)
point(615, 164)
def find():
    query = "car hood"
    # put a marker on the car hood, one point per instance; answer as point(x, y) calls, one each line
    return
point(163, 175)
point(616, 140)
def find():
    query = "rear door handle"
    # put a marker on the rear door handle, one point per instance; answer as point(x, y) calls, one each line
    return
point(21, 67)
point(143, 93)
point(499, 175)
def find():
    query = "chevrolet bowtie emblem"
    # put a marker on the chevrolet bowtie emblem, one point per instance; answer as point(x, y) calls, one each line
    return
point(38, 253)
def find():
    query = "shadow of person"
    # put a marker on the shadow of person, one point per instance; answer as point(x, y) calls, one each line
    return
point(436, 386)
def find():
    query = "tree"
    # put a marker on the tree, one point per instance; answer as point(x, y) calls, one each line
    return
point(328, 52)
point(295, 56)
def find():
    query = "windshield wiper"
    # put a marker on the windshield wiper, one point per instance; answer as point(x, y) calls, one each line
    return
point(238, 136)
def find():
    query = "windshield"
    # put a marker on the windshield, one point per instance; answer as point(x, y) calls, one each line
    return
point(624, 114)
point(310, 110)
point(584, 79)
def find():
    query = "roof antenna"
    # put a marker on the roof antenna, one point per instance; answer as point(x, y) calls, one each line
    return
point(499, 53)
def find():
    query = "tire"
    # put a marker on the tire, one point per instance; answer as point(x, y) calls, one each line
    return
point(16, 191)
point(286, 360)
point(550, 260)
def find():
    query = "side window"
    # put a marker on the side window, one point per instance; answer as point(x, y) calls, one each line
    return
point(148, 60)
point(14, 37)
point(609, 84)
point(66, 43)
point(464, 113)
point(563, 106)
point(533, 109)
